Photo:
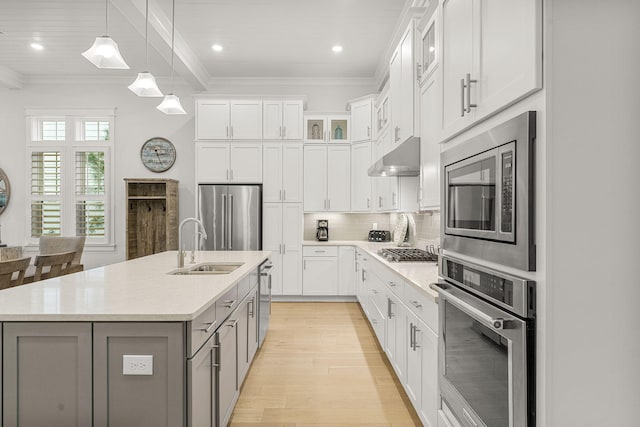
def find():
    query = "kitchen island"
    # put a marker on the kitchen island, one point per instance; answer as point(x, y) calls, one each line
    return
point(130, 344)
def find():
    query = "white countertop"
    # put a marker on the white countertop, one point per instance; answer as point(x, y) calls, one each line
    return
point(417, 274)
point(136, 290)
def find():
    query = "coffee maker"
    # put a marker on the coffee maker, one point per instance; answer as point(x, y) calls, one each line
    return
point(322, 234)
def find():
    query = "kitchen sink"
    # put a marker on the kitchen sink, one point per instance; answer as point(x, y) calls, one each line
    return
point(207, 268)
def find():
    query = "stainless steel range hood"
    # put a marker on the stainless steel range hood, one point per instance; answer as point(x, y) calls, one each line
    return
point(404, 160)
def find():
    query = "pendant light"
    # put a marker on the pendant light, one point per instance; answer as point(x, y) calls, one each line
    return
point(145, 84)
point(171, 103)
point(104, 52)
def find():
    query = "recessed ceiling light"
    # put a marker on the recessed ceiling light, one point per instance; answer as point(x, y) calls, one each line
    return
point(337, 48)
point(37, 46)
point(217, 48)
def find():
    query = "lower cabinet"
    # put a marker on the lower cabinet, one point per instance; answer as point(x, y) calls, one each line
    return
point(202, 380)
point(320, 275)
point(39, 359)
point(123, 392)
point(227, 369)
point(395, 343)
point(281, 234)
point(347, 270)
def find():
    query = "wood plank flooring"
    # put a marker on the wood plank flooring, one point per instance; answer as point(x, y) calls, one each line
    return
point(320, 365)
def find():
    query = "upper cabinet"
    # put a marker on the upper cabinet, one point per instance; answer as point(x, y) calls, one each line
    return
point(218, 163)
point(248, 119)
point(361, 118)
point(322, 128)
point(282, 119)
point(228, 119)
point(282, 166)
point(402, 81)
point(477, 36)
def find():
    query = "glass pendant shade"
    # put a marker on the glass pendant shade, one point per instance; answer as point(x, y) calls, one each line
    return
point(171, 105)
point(104, 53)
point(145, 85)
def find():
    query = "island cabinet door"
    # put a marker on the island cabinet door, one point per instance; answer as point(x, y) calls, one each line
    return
point(138, 374)
point(201, 386)
point(47, 374)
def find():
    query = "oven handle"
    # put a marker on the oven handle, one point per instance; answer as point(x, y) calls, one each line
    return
point(466, 303)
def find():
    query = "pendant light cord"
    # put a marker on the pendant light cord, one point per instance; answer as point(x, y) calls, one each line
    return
point(173, 32)
point(146, 33)
point(107, 18)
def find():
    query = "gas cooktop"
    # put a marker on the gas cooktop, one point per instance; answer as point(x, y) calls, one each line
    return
point(409, 254)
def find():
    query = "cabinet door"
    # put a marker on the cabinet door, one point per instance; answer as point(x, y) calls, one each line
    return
point(292, 173)
point(272, 172)
point(252, 330)
point(315, 128)
point(361, 182)
point(227, 368)
point(292, 218)
point(242, 315)
point(429, 143)
point(509, 29)
point(413, 383)
point(272, 120)
point(201, 387)
point(395, 89)
point(428, 341)
point(212, 163)
point(320, 276)
point(47, 374)
point(292, 119)
point(361, 129)
point(347, 279)
point(150, 400)
point(315, 178)
point(272, 241)
point(212, 119)
point(246, 119)
point(246, 163)
point(339, 179)
point(339, 128)
point(407, 87)
point(457, 61)
point(399, 312)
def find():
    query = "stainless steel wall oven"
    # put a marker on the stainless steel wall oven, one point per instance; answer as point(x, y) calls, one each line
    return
point(488, 194)
point(486, 348)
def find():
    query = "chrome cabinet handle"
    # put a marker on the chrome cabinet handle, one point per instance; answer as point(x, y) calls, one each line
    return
point(329, 204)
point(415, 337)
point(393, 284)
point(468, 87)
point(231, 218)
point(394, 202)
point(379, 201)
point(210, 326)
point(280, 195)
point(462, 86)
point(224, 219)
point(214, 357)
point(229, 304)
point(304, 264)
point(280, 132)
point(325, 204)
point(375, 291)
point(411, 335)
point(368, 203)
point(319, 252)
point(416, 304)
point(250, 307)
point(368, 130)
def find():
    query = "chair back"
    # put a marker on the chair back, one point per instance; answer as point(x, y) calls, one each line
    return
point(7, 268)
point(59, 264)
point(49, 245)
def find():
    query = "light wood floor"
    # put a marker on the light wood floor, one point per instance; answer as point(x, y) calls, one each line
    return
point(320, 365)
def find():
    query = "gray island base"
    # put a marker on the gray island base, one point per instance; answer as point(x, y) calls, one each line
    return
point(130, 345)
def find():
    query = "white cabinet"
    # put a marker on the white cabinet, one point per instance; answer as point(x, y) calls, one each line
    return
point(430, 115)
point(327, 177)
point(361, 120)
point(476, 37)
point(395, 344)
point(228, 119)
point(347, 278)
point(361, 182)
point(282, 172)
point(282, 119)
point(319, 127)
point(320, 271)
point(397, 194)
point(402, 79)
point(228, 163)
point(282, 235)
point(383, 111)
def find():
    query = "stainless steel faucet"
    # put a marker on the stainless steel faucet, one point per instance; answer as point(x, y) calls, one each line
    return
point(181, 252)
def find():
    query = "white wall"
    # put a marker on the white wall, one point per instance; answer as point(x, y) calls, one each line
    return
point(593, 231)
point(136, 121)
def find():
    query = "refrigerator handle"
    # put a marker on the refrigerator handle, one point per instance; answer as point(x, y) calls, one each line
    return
point(230, 221)
point(224, 222)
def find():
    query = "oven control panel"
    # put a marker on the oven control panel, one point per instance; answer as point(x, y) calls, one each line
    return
point(506, 216)
point(493, 286)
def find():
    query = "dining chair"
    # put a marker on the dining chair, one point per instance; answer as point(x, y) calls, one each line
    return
point(49, 245)
point(9, 268)
point(58, 265)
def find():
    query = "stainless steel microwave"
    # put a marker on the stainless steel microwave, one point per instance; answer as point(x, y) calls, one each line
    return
point(488, 195)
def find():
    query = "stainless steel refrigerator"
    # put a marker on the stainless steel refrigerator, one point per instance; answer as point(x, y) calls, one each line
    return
point(232, 217)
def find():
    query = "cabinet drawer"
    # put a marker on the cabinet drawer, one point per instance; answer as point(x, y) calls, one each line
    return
point(394, 283)
point(226, 304)
point(422, 306)
point(202, 328)
point(320, 251)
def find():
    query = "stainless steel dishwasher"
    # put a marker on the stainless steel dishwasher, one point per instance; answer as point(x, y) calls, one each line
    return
point(265, 300)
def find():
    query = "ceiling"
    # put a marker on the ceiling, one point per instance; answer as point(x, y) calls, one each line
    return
point(261, 38)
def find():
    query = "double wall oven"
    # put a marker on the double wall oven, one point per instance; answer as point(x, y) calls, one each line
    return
point(486, 349)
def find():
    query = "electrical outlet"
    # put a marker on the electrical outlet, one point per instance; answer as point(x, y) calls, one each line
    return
point(137, 365)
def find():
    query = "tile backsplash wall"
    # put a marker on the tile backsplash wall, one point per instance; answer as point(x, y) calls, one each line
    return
point(343, 226)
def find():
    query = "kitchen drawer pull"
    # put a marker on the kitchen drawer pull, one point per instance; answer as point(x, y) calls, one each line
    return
point(393, 284)
point(229, 303)
point(468, 87)
point(375, 291)
point(280, 132)
point(416, 304)
point(210, 326)
point(411, 335)
point(320, 252)
point(462, 86)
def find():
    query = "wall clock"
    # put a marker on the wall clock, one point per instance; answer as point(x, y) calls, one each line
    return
point(158, 154)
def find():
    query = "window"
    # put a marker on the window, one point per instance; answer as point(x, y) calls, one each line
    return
point(71, 174)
